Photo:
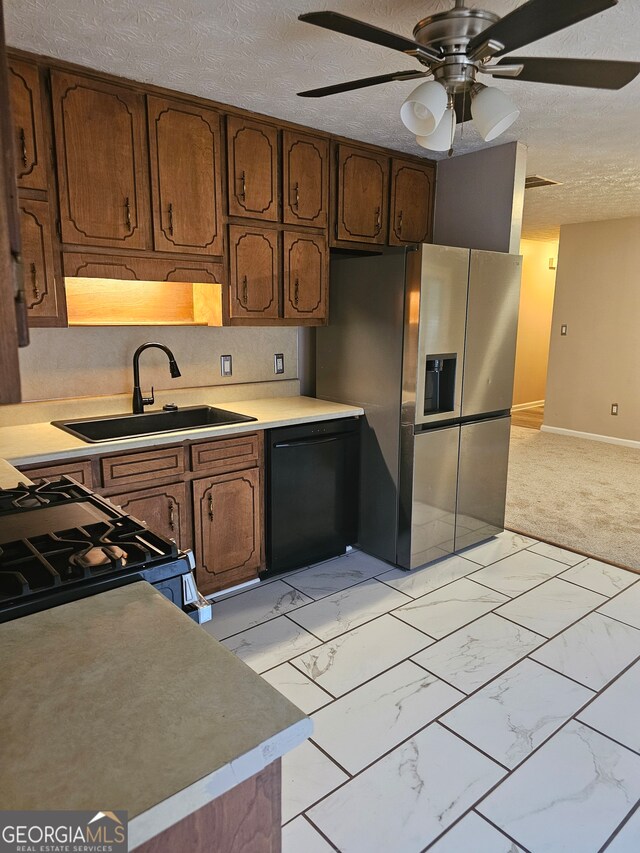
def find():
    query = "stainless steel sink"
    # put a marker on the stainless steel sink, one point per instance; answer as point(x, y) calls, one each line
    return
point(113, 427)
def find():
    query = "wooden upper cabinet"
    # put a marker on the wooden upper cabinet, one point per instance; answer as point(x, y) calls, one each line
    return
point(26, 111)
point(305, 179)
point(412, 198)
point(41, 296)
point(184, 147)
point(363, 195)
point(228, 529)
point(101, 150)
point(253, 279)
point(305, 276)
point(252, 156)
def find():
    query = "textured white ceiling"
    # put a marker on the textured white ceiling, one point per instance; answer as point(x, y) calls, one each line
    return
point(256, 54)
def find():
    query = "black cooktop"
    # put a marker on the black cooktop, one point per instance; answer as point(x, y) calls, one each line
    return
point(57, 534)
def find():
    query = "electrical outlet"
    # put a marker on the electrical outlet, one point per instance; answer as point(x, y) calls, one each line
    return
point(614, 408)
point(278, 362)
point(226, 365)
point(563, 329)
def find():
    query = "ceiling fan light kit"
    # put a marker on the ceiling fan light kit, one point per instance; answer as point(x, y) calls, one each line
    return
point(442, 137)
point(422, 111)
point(457, 45)
point(492, 111)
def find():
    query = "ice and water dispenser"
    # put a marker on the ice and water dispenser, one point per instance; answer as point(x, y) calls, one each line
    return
point(440, 384)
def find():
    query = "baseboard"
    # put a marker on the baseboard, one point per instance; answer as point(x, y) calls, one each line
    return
point(521, 406)
point(591, 436)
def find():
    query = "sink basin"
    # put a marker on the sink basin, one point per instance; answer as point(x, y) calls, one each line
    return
point(113, 427)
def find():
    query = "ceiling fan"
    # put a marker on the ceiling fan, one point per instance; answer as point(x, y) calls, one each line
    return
point(457, 45)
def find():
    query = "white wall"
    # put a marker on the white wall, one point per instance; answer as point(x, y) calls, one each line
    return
point(598, 362)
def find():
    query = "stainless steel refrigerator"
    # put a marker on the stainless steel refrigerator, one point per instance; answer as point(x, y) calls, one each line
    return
point(423, 339)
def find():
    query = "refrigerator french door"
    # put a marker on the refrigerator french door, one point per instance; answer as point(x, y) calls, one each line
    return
point(424, 340)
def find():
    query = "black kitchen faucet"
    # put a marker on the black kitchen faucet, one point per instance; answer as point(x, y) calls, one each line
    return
point(139, 402)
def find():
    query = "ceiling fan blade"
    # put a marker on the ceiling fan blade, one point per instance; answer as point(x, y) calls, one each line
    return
point(594, 73)
point(462, 107)
point(358, 29)
point(535, 20)
point(363, 83)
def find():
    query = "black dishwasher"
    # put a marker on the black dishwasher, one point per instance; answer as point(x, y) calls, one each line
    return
point(312, 492)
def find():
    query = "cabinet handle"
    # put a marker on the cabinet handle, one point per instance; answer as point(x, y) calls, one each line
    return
point(23, 148)
point(378, 220)
point(400, 224)
point(296, 197)
point(210, 507)
point(170, 220)
point(243, 186)
point(296, 292)
point(245, 288)
point(127, 213)
point(34, 281)
point(172, 518)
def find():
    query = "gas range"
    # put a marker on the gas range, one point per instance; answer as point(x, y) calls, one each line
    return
point(60, 542)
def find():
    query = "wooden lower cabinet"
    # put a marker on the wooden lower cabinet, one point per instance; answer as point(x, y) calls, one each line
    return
point(228, 529)
point(163, 508)
point(244, 820)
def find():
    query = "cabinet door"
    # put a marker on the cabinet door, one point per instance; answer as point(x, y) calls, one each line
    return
point(305, 276)
point(184, 143)
point(253, 280)
point(228, 529)
point(163, 509)
point(102, 162)
point(252, 151)
point(26, 111)
point(363, 182)
point(38, 266)
point(412, 196)
point(305, 162)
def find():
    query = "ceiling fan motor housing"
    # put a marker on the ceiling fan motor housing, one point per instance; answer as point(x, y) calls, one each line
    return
point(451, 32)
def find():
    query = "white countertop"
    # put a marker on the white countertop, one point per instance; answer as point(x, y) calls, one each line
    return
point(132, 705)
point(30, 443)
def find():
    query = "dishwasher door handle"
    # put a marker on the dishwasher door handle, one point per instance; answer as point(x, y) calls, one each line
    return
point(306, 442)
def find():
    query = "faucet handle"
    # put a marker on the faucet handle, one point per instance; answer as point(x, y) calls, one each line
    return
point(149, 401)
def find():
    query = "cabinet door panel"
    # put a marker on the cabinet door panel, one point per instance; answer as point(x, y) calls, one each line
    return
point(412, 195)
point(38, 265)
point(163, 509)
point(254, 265)
point(305, 276)
point(26, 111)
point(362, 195)
point(228, 529)
point(184, 143)
point(102, 162)
point(305, 181)
point(253, 169)
point(132, 268)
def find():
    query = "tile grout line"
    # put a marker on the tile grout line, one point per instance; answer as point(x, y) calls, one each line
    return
point(619, 827)
point(605, 735)
point(320, 832)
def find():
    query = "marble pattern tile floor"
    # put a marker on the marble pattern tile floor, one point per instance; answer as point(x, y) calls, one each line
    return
point(485, 704)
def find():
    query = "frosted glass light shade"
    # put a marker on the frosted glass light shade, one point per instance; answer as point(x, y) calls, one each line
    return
point(442, 137)
point(423, 109)
point(492, 112)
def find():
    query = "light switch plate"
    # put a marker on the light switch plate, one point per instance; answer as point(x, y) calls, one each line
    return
point(563, 329)
point(614, 408)
point(278, 362)
point(226, 365)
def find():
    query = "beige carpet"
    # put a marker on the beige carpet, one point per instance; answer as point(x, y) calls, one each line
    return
point(582, 495)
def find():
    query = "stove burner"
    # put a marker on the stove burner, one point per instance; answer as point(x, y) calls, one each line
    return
point(43, 493)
